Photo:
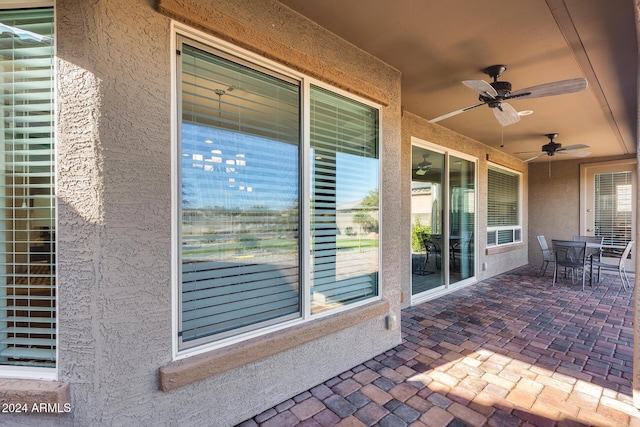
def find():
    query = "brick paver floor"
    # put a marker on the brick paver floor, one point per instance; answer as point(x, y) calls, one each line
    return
point(509, 351)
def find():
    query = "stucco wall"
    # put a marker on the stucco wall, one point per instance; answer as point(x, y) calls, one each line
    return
point(114, 192)
point(417, 127)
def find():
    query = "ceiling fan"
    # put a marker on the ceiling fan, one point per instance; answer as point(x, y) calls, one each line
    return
point(424, 166)
point(553, 148)
point(494, 94)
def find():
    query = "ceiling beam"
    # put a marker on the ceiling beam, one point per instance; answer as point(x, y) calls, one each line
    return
point(565, 24)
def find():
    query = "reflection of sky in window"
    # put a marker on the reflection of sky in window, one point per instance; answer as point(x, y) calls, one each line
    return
point(228, 169)
point(356, 177)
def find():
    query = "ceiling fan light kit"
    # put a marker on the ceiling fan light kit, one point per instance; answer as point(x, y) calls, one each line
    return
point(424, 166)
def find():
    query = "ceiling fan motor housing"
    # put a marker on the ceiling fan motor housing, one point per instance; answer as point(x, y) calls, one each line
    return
point(503, 89)
point(551, 148)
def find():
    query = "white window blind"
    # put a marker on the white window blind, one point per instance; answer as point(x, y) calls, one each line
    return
point(239, 137)
point(613, 202)
point(503, 206)
point(344, 197)
point(27, 230)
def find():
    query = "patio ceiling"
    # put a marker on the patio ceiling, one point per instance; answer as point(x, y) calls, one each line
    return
point(436, 44)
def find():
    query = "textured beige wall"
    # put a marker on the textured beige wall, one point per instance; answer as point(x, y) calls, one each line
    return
point(114, 192)
point(415, 126)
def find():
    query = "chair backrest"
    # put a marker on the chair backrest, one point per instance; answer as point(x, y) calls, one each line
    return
point(426, 240)
point(589, 239)
point(546, 252)
point(625, 254)
point(570, 253)
point(436, 242)
point(543, 243)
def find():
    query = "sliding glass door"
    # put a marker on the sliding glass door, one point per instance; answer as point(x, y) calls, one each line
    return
point(462, 211)
point(443, 218)
point(427, 204)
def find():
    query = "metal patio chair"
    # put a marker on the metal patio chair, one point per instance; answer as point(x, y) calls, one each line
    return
point(620, 267)
point(547, 255)
point(572, 256)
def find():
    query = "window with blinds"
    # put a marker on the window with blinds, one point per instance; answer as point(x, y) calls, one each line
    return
point(503, 207)
point(242, 171)
point(239, 186)
point(344, 200)
point(613, 208)
point(27, 262)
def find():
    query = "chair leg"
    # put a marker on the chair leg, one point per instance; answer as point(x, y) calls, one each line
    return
point(543, 267)
point(555, 274)
point(625, 280)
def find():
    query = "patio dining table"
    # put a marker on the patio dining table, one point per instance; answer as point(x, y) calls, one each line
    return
point(592, 250)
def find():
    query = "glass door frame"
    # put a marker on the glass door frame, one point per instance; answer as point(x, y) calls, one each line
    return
point(447, 287)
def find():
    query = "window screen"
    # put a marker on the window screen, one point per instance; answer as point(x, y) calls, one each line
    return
point(239, 164)
point(27, 230)
point(503, 197)
point(344, 200)
point(503, 206)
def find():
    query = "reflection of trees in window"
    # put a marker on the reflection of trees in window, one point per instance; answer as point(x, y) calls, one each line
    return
point(366, 222)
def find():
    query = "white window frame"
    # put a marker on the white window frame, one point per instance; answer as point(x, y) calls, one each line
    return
point(178, 29)
point(33, 372)
point(515, 229)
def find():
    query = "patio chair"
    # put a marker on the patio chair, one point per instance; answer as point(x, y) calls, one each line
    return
point(436, 248)
point(461, 248)
point(426, 244)
point(620, 267)
point(594, 246)
point(547, 255)
point(572, 256)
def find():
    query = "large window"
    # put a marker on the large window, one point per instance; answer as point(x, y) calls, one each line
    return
point(503, 207)
point(276, 222)
point(27, 207)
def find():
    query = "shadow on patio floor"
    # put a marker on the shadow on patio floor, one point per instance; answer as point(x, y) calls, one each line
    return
point(509, 351)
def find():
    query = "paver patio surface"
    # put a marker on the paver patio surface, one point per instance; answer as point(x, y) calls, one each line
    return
point(510, 351)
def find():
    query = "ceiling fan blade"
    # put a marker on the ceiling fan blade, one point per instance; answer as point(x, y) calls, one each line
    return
point(533, 158)
point(455, 113)
point(528, 152)
point(550, 89)
point(506, 114)
point(573, 147)
point(482, 87)
point(574, 153)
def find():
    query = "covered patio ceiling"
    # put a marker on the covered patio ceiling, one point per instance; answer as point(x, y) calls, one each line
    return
point(438, 44)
